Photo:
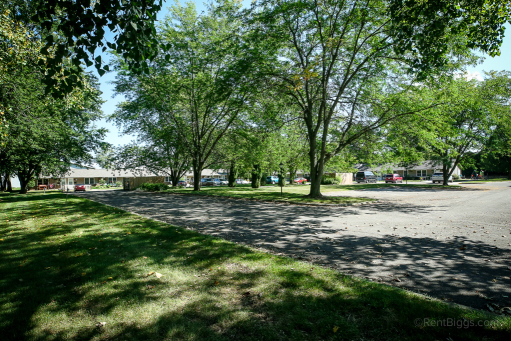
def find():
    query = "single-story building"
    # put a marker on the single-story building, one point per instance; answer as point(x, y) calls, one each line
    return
point(130, 179)
point(423, 170)
point(88, 177)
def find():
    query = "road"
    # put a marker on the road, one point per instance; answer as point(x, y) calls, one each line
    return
point(451, 244)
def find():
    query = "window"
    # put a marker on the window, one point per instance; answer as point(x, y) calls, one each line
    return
point(89, 181)
point(70, 182)
point(112, 180)
point(422, 172)
point(167, 179)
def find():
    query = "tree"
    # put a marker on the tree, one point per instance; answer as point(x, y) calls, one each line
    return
point(51, 134)
point(338, 65)
point(335, 58)
point(472, 114)
point(41, 133)
point(201, 83)
point(158, 148)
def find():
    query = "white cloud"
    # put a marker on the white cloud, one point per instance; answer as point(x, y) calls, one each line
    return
point(470, 75)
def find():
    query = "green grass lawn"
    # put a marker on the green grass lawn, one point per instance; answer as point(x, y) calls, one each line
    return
point(470, 181)
point(296, 193)
point(79, 270)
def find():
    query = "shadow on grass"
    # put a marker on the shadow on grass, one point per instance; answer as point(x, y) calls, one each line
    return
point(67, 267)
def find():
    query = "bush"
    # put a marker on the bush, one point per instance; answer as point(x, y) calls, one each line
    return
point(118, 184)
point(330, 180)
point(102, 182)
point(455, 177)
point(154, 187)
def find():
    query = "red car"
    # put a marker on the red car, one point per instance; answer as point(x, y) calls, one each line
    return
point(395, 178)
point(300, 180)
point(79, 187)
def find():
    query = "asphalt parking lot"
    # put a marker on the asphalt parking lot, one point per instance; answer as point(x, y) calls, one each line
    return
point(452, 244)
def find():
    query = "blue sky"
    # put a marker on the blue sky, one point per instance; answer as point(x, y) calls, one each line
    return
point(114, 137)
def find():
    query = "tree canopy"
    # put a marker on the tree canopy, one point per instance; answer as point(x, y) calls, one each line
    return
point(75, 30)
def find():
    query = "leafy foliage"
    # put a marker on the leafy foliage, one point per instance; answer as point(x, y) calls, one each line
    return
point(41, 133)
point(74, 30)
point(424, 29)
point(157, 187)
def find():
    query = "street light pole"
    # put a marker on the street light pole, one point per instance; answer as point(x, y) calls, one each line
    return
point(281, 178)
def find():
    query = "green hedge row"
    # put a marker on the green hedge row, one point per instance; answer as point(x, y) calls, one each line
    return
point(154, 187)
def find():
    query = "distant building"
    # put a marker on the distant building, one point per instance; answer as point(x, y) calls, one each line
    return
point(423, 170)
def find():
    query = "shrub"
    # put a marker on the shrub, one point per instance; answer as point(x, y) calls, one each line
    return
point(102, 182)
point(154, 187)
point(282, 181)
point(330, 180)
point(455, 177)
point(118, 184)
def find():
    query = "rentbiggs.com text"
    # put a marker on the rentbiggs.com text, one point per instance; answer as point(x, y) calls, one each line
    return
point(452, 322)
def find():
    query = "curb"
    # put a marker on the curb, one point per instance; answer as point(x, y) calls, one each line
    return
point(328, 205)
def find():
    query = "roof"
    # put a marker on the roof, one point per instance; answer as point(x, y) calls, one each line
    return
point(107, 173)
point(428, 164)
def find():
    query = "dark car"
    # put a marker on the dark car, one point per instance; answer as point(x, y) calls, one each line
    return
point(365, 176)
point(394, 178)
point(79, 187)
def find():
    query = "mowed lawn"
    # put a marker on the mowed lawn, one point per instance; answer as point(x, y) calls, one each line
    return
point(297, 193)
point(79, 270)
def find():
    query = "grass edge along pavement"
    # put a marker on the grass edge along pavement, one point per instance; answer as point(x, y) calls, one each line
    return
point(90, 271)
point(297, 194)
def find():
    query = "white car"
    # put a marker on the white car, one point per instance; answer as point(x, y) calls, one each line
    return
point(241, 182)
point(224, 182)
point(439, 177)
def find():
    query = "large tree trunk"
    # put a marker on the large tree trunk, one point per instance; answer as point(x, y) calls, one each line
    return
point(445, 173)
point(174, 177)
point(9, 185)
point(256, 176)
point(315, 191)
point(197, 172)
point(25, 176)
point(3, 183)
point(316, 173)
point(24, 184)
point(232, 175)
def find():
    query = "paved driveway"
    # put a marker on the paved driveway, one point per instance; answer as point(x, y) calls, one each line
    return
point(451, 244)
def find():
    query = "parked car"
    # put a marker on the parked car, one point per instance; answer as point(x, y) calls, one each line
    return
point(79, 187)
point(183, 183)
point(241, 182)
point(300, 180)
point(212, 182)
point(224, 182)
point(439, 177)
point(272, 179)
point(394, 178)
point(365, 176)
